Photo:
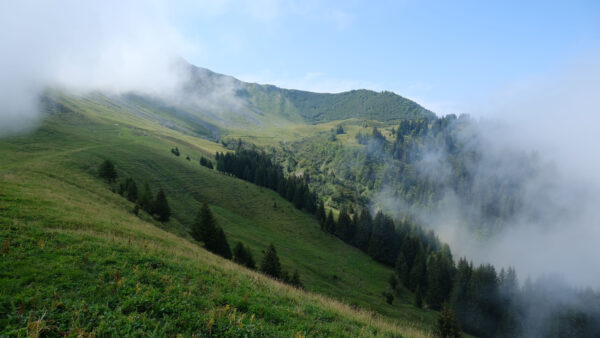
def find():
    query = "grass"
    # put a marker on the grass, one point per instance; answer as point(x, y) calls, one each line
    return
point(78, 261)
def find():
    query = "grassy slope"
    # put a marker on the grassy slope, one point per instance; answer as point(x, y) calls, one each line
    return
point(54, 212)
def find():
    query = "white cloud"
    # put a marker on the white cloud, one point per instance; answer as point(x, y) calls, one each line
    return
point(114, 46)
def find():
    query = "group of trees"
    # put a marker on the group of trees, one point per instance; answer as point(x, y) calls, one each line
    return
point(484, 301)
point(157, 206)
point(206, 162)
point(257, 167)
point(205, 229)
point(422, 264)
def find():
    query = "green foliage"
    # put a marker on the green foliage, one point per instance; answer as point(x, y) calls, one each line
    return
point(175, 151)
point(206, 162)
point(270, 264)
point(243, 256)
point(161, 206)
point(146, 200)
point(206, 229)
point(382, 106)
point(295, 280)
point(107, 171)
point(447, 326)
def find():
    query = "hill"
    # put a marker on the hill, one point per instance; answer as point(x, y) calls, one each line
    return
point(78, 261)
point(208, 100)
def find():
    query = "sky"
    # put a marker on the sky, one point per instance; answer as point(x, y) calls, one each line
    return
point(447, 55)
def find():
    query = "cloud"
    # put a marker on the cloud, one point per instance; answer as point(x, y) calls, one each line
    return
point(542, 134)
point(111, 45)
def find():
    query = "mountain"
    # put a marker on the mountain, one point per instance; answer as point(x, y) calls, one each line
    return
point(77, 259)
point(209, 99)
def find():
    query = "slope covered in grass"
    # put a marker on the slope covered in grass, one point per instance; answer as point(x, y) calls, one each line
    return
point(78, 259)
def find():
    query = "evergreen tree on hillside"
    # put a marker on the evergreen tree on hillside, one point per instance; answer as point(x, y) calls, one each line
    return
point(220, 246)
point(382, 246)
point(161, 206)
point(329, 223)
point(107, 171)
point(364, 227)
point(440, 271)
point(204, 226)
point(321, 217)
point(270, 264)
point(447, 325)
point(243, 256)
point(345, 227)
point(206, 229)
point(146, 200)
point(418, 272)
point(295, 280)
point(131, 191)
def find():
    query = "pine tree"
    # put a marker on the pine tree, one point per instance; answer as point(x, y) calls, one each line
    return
point(145, 200)
point(295, 280)
point(329, 223)
point(243, 256)
point(344, 227)
point(364, 227)
point(205, 225)
point(447, 326)
point(270, 264)
point(221, 247)
point(161, 206)
point(131, 191)
point(206, 229)
point(321, 217)
point(107, 171)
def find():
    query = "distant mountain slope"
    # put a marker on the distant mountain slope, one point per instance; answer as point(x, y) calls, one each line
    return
point(303, 106)
point(366, 104)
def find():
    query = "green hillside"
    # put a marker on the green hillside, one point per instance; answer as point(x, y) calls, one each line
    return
point(77, 260)
point(210, 99)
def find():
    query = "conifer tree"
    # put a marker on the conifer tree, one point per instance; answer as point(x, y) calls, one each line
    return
point(344, 227)
point(243, 256)
point(295, 280)
point(447, 325)
point(221, 247)
point(270, 264)
point(206, 229)
point(364, 227)
point(329, 223)
point(321, 217)
point(205, 225)
point(161, 206)
point(107, 171)
point(145, 200)
point(131, 191)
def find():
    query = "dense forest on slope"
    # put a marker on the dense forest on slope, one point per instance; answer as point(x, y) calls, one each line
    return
point(414, 167)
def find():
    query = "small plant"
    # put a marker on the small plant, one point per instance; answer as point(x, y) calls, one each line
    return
point(175, 151)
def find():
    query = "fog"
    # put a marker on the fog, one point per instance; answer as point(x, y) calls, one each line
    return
point(112, 46)
point(547, 131)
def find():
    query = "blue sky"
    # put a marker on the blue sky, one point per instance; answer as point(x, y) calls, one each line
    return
point(445, 54)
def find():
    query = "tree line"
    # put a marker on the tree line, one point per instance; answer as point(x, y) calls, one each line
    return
point(484, 302)
point(156, 206)
point(256, 167)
